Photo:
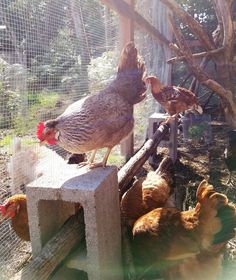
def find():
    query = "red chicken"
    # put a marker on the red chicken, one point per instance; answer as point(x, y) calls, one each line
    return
point(181, 244)
point(15, 208)
point(173, 99)
point(103, 119)
point(148, 193)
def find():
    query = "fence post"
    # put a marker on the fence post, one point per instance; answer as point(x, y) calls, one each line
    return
point(127, 35)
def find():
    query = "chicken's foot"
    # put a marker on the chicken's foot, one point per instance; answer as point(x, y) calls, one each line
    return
point(90, 160)
point(103, 162)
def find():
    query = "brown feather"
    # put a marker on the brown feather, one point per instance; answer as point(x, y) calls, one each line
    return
point(175, 237)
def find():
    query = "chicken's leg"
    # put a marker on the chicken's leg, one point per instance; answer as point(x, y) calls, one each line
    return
point(104, 161)
point(229, 182)
point(90, 160)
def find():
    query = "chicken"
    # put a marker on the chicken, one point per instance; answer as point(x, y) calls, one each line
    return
point(148, 193)
point(169, 240)
point(36, 163)
point(173, 99)
point(15, 208)
point(230, 154)
point(103, 119)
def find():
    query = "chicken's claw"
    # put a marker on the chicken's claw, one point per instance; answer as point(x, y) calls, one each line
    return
point(95, 165)
point(91, 165)
point(169, 120)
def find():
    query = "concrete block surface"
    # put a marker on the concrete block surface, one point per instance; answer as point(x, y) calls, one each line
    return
point(51, 201)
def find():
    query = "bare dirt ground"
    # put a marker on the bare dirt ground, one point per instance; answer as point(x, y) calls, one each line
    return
point(195, 162)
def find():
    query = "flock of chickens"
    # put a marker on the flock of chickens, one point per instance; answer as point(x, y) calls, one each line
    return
point(164, 241)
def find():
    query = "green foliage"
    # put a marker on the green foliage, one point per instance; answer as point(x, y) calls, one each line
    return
point(6, 141)
point(202, 11)
point(40, 105)
point(10, 100)
point(102, 69)
point(197, 130)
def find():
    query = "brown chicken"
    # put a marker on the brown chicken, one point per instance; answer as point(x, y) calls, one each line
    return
point(148, 193)
point(179, 244)
point(15, 208)
point(103, 119)
point(173, 99)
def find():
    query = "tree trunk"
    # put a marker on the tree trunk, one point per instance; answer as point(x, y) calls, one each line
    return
point(221, 52)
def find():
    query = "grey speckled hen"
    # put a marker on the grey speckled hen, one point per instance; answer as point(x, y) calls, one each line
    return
point(103, 119)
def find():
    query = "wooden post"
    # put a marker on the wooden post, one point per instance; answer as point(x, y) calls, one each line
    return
point(127, 35)
point(173, 139)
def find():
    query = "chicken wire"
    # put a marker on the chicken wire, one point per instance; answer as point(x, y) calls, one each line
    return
point(52, 53)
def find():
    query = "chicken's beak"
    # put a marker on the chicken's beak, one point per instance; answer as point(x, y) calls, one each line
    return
point(42, 142)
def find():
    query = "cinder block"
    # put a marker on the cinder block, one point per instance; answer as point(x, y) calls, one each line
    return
point(153, 123)
point(51, 201)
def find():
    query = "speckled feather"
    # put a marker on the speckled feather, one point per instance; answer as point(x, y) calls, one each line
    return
point(105, 118)
point(176, 99)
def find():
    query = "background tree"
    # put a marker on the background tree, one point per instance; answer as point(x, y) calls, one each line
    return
point(218, 46)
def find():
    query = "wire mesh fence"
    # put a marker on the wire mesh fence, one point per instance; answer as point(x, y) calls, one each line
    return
point(53, 53)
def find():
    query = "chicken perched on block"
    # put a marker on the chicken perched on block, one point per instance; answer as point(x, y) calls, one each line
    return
point(103, 119)
point(148, 193)
point(179, 244)
point(173, 99)
point(15, 208)
point(230, 154)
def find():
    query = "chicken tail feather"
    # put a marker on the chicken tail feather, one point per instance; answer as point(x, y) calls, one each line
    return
point(227, 216)
point(166, 170)
point(130, 59)
point(218, 215)
point(165, 165)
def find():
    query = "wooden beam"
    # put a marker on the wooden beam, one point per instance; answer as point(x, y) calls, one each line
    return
point(54, 251)
point(130, 169)
point(126, 27)
point(124, 9)
point(127, 35)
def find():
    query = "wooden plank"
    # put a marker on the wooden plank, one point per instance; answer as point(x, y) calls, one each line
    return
point(54, 251)
point(130, 169)
point(121, 7)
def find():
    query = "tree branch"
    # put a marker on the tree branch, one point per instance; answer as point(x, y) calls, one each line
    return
point(197, 55)
point(224, 12)
point(201, 75)
point(194, 25)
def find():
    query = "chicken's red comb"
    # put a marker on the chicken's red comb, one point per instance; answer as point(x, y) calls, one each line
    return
point(3, 208)
point(40, 128)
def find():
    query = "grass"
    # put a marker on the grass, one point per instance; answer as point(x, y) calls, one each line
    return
point(6, 141)
point(39, 106)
